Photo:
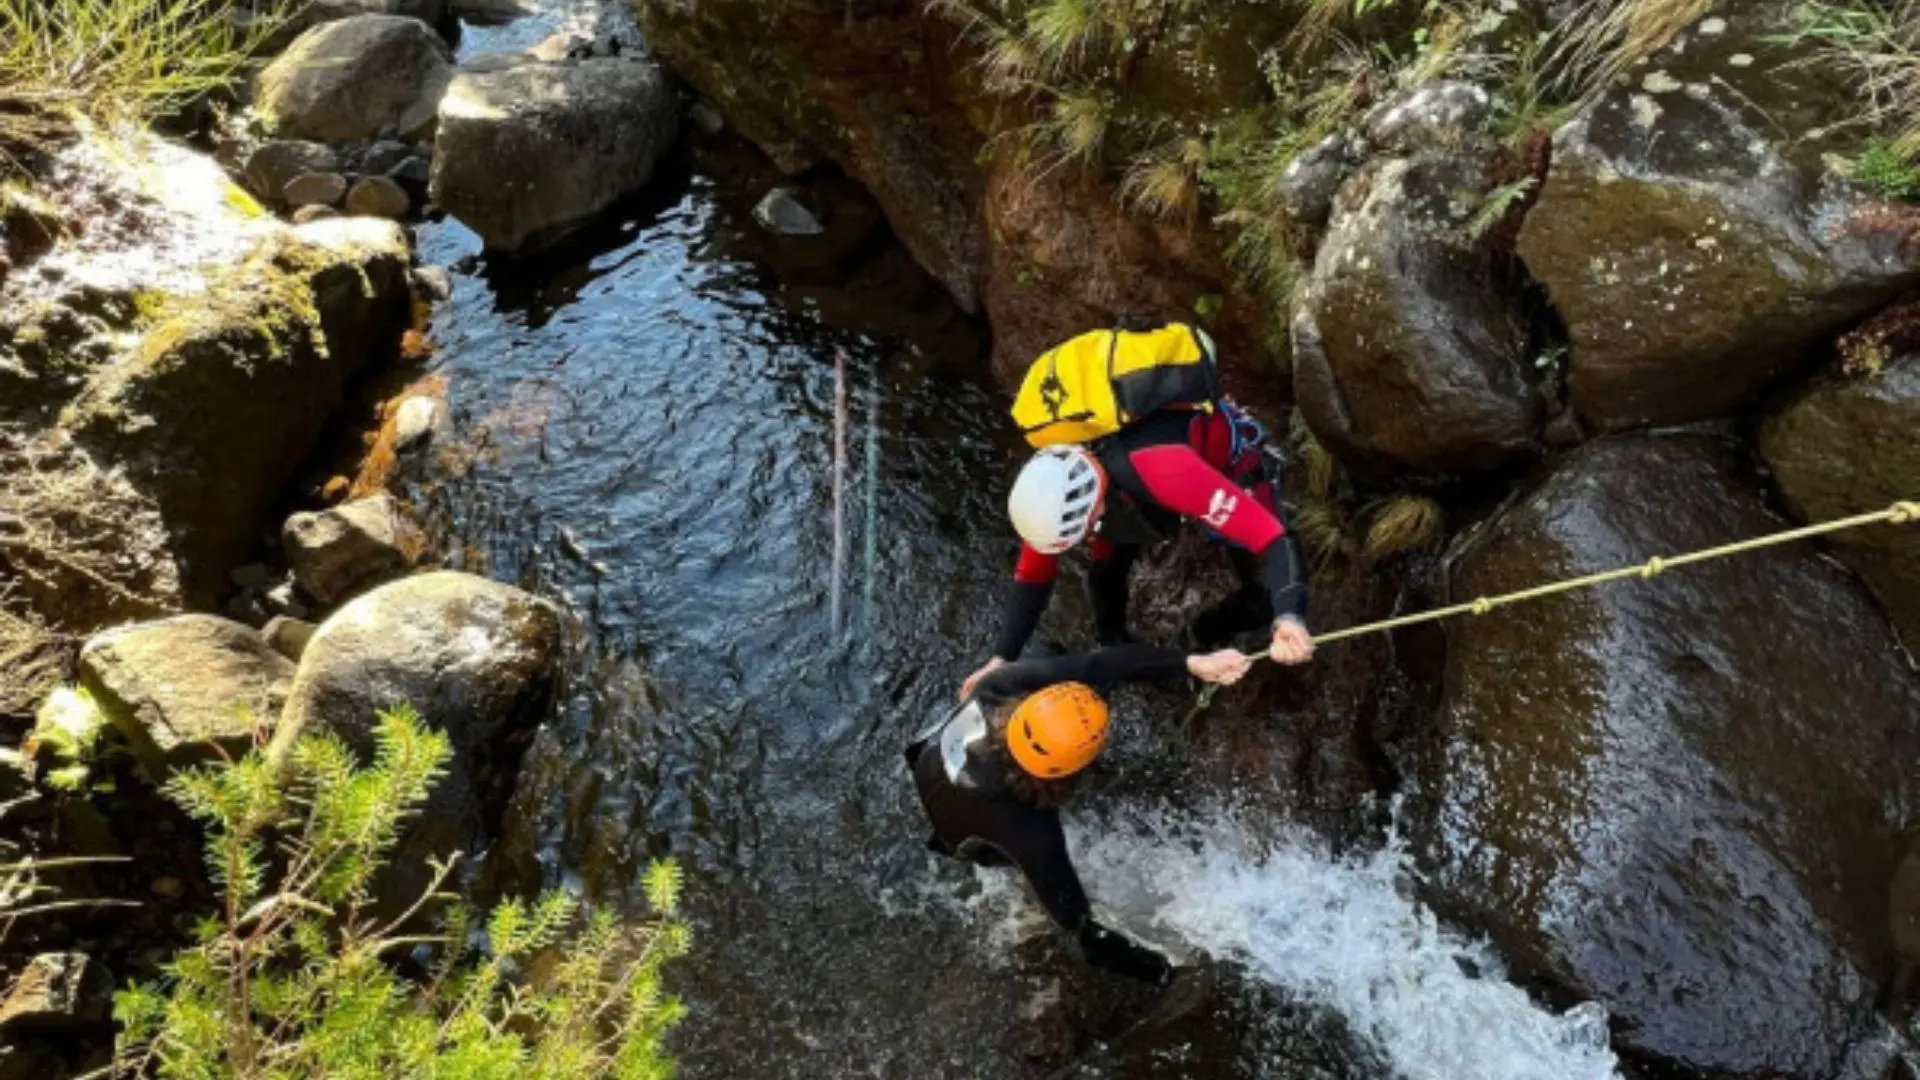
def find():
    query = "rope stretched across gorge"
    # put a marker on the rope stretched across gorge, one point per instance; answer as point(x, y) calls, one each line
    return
point(1904, 512)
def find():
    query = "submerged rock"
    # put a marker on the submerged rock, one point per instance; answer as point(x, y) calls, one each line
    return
point(782, 213)
point(307, 215)
point(1679, 798)
point(1845, 446)
point(1407, 351)
point(1693, 262)
point(476, 659)
point(186, 689)
point(528, 152)
point(58, 991)
point(226, 396)
point(362, 77)
point(338, 552)
point(274, 165)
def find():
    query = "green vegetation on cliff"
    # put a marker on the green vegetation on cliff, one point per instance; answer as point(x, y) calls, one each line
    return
point(298, 975)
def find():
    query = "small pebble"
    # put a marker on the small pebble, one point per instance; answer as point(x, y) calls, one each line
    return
point(170, 887)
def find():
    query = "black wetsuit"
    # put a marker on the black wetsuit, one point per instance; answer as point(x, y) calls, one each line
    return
point(964, 787)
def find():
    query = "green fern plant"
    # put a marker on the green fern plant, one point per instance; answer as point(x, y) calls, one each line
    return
point(1497, 204)
point(295, 977)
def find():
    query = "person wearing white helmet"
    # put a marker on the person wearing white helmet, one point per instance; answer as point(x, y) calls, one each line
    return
point(1135, 488)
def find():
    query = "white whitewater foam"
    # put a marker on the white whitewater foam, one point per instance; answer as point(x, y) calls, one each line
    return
point(1343, 933)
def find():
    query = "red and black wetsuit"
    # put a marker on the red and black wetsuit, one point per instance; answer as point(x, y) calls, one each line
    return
point(963, 784)
point(1167, 467)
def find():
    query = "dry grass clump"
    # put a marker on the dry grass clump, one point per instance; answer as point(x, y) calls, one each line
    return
point(120, 61)
point(34, 657)
point(1403, 523)
point(1605, 39)
point(1875, 46)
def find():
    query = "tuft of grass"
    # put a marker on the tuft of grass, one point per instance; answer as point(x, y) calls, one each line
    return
point(1875, 46)
point(1605, 39)
point(1882, 167)
point(1403, 523)
point(1065, 34)
point(120, 61)
point(1321, 529)
point(1074, 127)
point(1165, 182)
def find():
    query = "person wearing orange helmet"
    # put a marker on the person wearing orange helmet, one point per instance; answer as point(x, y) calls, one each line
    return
point(994, 772)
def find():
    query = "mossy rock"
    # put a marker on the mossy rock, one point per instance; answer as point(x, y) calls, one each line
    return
point(227, 394)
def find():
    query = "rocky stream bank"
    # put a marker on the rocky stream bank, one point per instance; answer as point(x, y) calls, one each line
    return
point(1689, 802)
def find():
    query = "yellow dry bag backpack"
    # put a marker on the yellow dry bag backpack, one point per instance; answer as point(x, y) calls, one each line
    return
point(1103, 380)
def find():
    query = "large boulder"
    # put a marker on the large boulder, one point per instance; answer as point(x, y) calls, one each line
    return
point(362, 77)
point(322, 11)
point(1682, 798)
point(336, 552)
point(1693, 250)
point(225, 398)
point(476, 659)
point(527, 152)
point(1407, 350)
point(1844, 446)
point(187, 689)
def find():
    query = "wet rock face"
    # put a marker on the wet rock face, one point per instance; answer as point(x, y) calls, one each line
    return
point(1693, 256)
point(183, 690)
point(1847, 446)
point(1408, 353)
point(477, 660)
point(362, 77)
point(223, 400)
point(596, 127)
point(1676, 798)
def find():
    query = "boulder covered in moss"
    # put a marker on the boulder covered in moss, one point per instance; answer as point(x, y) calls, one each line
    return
point(185, 690)
point(1843, 446)
point(223, 399)
point(1409, 352)
point(363, 77)
point(1681, 798)
point(530, 150)
point(1695, 251)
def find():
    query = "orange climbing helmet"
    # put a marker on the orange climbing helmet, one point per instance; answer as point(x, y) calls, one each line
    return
point(1058, 731)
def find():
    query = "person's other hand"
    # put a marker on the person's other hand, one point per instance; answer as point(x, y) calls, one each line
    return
point(1223, 668)
point(973, 681)
point(1291, 642)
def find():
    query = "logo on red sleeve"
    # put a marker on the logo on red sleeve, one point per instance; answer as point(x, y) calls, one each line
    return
point(1220, 508)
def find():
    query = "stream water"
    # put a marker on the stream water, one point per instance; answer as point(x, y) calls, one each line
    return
point(648, 425)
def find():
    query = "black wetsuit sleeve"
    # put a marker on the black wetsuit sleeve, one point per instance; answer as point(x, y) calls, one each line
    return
point(1026, 602)
point(1039, 848)
point(1099, 669)
point(1286, 578)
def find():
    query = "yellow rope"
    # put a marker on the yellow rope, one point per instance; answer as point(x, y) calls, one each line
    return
point(1900, 513)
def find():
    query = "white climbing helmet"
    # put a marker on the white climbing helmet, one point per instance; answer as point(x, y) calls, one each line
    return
point(1056, 498)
